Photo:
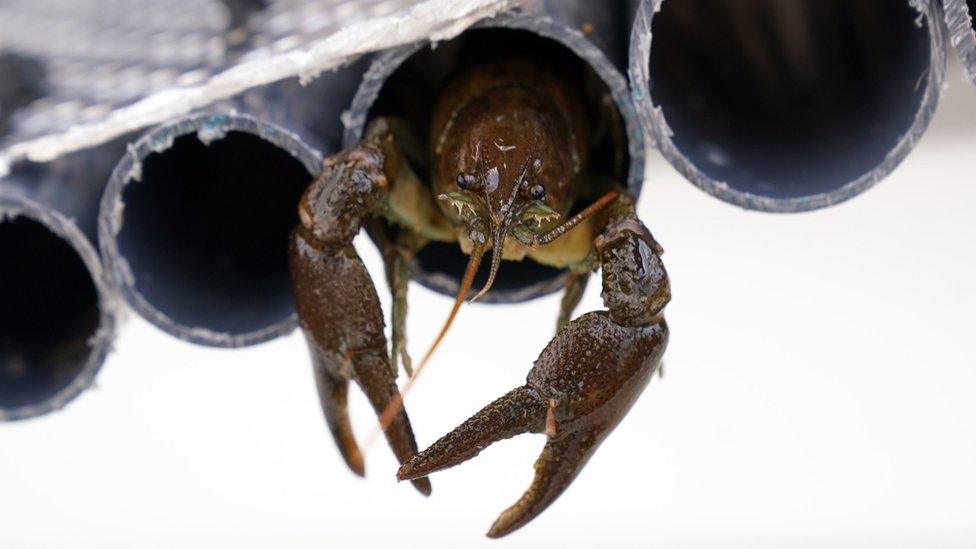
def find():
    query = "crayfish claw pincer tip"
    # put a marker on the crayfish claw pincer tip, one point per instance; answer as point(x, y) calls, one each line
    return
point(356, 464)
point(422, 485)
point(405, 472)
point(413, 471)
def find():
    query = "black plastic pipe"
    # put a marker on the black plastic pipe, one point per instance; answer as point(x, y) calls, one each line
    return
point(787, 105)
point(588, 35)
point(960, 16)
point(194, 223)
point(58, 312)
point(195, 218)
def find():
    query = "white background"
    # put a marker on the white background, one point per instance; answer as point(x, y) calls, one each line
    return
point(820, 390)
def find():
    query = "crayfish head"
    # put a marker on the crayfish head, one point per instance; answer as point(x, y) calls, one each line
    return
point(505, 168)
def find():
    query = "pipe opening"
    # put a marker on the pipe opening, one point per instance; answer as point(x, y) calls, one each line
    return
point(49, 314)
point(788, 99)
point(410, 93)
point(205, 234)
point(972, 13)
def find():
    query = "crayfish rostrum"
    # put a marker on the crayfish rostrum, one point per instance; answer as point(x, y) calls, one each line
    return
point(507, 155)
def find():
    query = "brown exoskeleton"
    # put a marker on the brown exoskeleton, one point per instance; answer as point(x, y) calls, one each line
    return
point(508, 157)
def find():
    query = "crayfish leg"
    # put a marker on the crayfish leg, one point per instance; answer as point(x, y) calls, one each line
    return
point(575, 288)
point(399, 279)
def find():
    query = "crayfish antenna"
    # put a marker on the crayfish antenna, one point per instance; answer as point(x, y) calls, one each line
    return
point(396, 403)
point(522, 410)
point(572, 222)
point(498, 246)
point(496, 260)
point(466, 282)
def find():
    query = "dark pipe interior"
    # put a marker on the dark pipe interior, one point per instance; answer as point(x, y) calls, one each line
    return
point(48, 313)
point(788, 98)
point(410, 93)
point(21, 82)
point(205, 231)
point(972, 13)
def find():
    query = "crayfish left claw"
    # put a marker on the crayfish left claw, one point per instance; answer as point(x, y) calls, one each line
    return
point(582, 385)
point(560, 462)
point(522, 410)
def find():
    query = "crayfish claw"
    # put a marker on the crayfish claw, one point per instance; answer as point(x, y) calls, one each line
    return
point(333, 395)
point(579, 389)
point(374, 377)
point(520, 411)
point(561, 460)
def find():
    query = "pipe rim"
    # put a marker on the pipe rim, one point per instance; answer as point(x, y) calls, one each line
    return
point(388, 62)
point(110, 220)
point(12, 207)
point(660, 133)
point(961, 26)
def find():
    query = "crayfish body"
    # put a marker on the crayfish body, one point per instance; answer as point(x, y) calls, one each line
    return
point(508, 152)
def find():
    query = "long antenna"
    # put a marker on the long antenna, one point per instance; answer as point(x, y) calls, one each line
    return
point(571, 223)
point(396, 403)
point(496, 260)
point(498, 246)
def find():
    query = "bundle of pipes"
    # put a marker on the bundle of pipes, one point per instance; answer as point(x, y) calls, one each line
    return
point(58, 307)
point(195, 219)
point(195, 216)
point(787, 105)
point(768, 104)
point(197, 246)
point(960, 17)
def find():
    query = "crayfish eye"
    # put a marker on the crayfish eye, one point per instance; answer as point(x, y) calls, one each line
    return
point(538, 192)
point(464, 181)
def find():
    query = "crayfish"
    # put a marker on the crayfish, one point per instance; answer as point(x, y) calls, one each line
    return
point(507, 157)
